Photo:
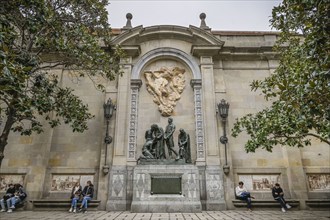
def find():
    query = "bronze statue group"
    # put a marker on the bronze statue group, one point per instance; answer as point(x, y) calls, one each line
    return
point(156, 139)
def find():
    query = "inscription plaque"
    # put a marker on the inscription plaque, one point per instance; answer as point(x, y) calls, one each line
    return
point(166, 185)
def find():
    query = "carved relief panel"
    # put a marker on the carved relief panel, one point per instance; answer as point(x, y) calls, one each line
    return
point(166, 86)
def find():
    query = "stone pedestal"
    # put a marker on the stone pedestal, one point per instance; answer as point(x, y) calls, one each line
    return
point(159, 196)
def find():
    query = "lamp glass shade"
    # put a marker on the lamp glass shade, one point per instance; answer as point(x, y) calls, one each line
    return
point(108, 109)
point(223, 107)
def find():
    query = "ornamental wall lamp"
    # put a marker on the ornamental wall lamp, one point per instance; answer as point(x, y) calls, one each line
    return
point(223, 108)
point(108, 108)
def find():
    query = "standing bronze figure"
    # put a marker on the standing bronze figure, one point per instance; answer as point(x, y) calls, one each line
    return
point(184, 146)
point(168, 137)
point(158, 141)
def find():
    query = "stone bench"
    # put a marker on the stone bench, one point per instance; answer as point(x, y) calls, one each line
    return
point(263, 203)
point(318, 203)
point(60, 204)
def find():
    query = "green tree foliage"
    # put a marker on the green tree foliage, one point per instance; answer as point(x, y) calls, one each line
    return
point(300, 87)
point(38, 35)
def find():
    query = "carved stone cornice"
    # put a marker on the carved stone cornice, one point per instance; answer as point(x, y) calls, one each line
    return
point(131, 50)
point(136, 83)
point(196, 83)
point(139, 34)
point(208, 50)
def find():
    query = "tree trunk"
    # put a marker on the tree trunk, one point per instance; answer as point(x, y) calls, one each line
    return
point(5, 133)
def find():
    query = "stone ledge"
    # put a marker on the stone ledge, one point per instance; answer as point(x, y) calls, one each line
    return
point(166, 207)
point(318, 203)
point(265, 203)
point(60, 204)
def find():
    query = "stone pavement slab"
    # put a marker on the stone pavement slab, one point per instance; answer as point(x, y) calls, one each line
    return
point(205, 215)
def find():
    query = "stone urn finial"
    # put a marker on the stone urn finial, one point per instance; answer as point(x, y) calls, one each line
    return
point(128, 25)
point(202, 16)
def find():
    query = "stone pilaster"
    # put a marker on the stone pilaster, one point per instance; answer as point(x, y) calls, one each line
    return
point(120, 139)
point(296, 175)
point(133, 120)
point(215, 199)
point(197, 86)
point(117, 199)
point(209, 108)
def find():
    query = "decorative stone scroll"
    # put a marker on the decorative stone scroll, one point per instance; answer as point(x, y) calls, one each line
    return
point(133, 118)
point(166, 86)
point(197, 86)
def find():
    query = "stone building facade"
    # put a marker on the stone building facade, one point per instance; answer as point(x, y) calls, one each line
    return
point(217, 65)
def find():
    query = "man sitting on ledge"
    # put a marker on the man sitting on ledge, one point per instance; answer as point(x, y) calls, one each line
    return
point(242, 194)
point(278, 195)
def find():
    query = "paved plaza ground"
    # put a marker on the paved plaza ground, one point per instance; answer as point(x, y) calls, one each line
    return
point(205, 215)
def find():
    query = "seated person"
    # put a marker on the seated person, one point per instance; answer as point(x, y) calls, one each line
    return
point(242, 194)
point(75, 196)
point(9, 193)
point(87, 193)
point(278, 195)
point(18, 197)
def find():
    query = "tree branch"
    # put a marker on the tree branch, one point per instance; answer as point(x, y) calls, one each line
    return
point(301, 136)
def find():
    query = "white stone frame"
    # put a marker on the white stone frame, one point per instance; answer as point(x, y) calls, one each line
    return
point(156, 54)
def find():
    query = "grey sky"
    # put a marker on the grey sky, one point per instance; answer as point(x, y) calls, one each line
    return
point(243, 15)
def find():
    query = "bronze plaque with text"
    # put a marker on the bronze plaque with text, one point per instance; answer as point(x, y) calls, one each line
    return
point(166, 185)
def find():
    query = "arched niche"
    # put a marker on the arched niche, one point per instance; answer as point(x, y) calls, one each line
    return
point(194, 116)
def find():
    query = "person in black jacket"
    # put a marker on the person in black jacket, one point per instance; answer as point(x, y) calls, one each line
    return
point(9, 193)
point(18, 197)
point(87, 193)
point(278, 195)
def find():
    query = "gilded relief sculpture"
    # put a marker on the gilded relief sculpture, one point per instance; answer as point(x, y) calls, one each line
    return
point(166, 86)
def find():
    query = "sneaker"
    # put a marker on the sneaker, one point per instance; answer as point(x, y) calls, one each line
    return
point(80, 209)
point(10, 210)
point(12, 207)
point(70, 210)
point(252, 197)
point(283, 210)
point(85, 211)
point(250, 210)
point(288, 206)
point(2, 210)
point(75, 210)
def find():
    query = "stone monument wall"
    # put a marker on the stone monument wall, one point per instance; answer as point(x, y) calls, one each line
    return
point(218, 65)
